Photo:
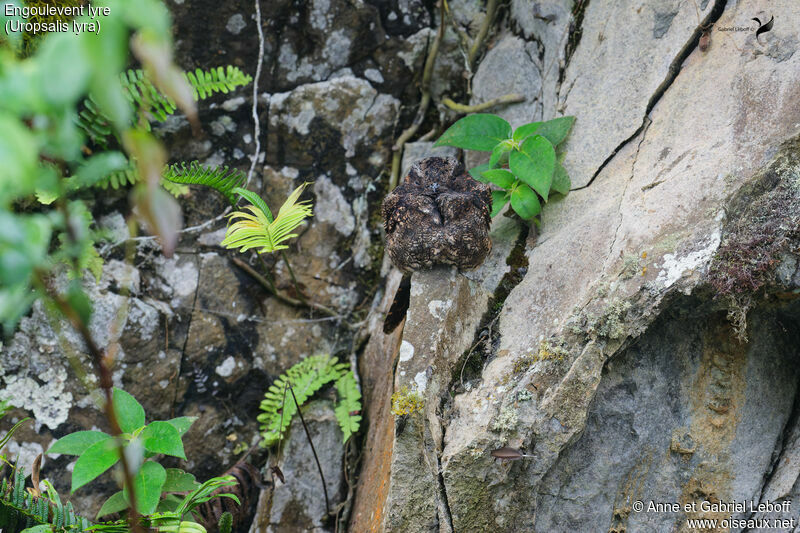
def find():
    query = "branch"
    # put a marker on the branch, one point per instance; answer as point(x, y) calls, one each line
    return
point(106, 383)
point(491, 8)
point(279, 295)
point(477, 108)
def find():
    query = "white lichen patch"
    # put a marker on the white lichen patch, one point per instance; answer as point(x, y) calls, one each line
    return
point(227, 367)
point(235, 24)
point(331, 206)
point(421, 381)
point(179, 276)
point(438, 308)
point(406, 351)
point(674, 267)
point(25, 453)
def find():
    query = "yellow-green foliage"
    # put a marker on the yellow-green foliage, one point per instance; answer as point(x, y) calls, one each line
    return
point(406, 402)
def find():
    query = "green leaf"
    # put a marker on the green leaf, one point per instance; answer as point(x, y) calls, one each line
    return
point(98, 458)
point(114, 504)
point(534, 164)
point(130, 413)
point(477, 172)
point(561, 181)
point(525, 202)
point(97, 168)
point(79, 301)
point(556, 130)
point(182, 423)
point(61, 57)
point(499, 201)
point(179, 481)
point(525, 131)
point(499, 151)
point(41, 528)
point(500, 177)
point(254, 199)
point(78, 442)
point(147, 484)
point(162, 437)
point(481, 131)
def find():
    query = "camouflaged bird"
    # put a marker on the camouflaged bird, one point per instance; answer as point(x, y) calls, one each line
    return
point(438, 215)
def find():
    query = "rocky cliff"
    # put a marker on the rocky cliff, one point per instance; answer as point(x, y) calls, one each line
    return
point(639, 345)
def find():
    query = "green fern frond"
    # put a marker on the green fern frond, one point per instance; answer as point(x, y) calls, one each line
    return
point(306, 378)
point(143, 96)
point(130, 176)
point(204, 84)
point(257, 230)
point(348, 410)
point(223, 179)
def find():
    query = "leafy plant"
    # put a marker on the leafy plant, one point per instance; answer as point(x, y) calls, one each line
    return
point(222, 179)
point(307, 377)
point(143, 97)
point(97, 452)
point(258, 229)
point(523, 162)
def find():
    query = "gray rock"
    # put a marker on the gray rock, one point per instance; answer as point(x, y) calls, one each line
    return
point(299, 505)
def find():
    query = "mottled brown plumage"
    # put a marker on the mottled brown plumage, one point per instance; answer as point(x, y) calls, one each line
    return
point(438, 215)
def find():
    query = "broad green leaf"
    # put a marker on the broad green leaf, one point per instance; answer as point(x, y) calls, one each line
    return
point(525, 202)
point(179, 481)
point(477, 172)
point(168, 503)
point(41, 528)
point(130, 413)
point(499, 201)
point(481, 131)
point(114, 504)
point(18, 160)
point(557, 129)
point(24, 240)
point(525, 131)
point(147, 484)
point(162, 437)
point(499, 151)
point(182, 423)
point(534, 164)
point(97, 458)
point(61, 57)
point(561, 181)
point(78, 442)
point(500, 177)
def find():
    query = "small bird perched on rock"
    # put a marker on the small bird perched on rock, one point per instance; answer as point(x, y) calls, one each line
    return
point(438, 215)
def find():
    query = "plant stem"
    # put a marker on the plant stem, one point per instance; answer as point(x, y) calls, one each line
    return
point(491, 7)
point(270, 287)
point(106, 383)
point(311, 443)
point(300, 294)
point(477, 108)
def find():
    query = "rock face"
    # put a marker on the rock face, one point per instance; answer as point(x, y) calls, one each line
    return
point(641, 345)
point(196, 335)
point(648, 353)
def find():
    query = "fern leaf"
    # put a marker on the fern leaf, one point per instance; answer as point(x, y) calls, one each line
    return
point(204, 84)
point(348, 410)
point(223, 179)
point(306, 378)
point(256, 230)
point(144, 97)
